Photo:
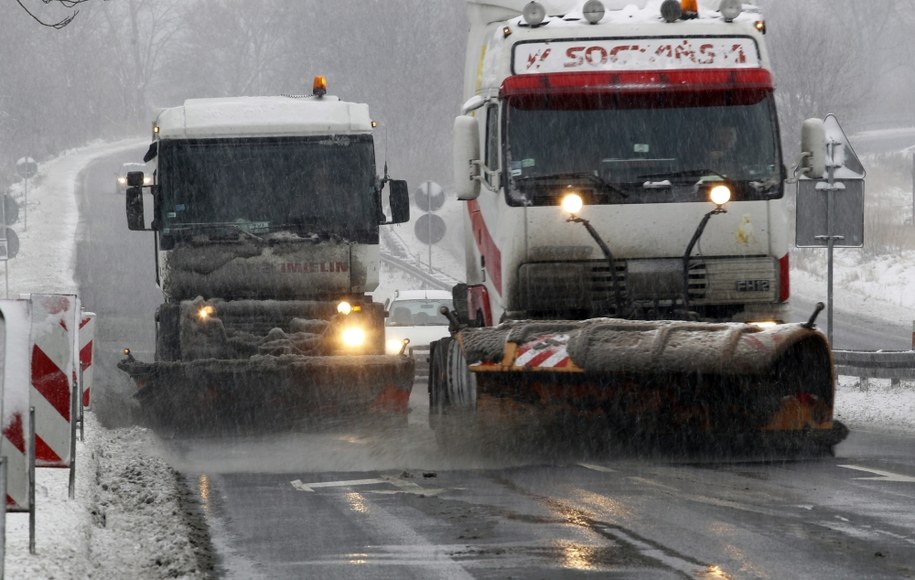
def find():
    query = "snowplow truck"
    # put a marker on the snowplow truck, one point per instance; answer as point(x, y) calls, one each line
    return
point(626, 229)
point(266, 214)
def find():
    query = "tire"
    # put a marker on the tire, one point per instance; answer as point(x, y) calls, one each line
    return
point(452, 396)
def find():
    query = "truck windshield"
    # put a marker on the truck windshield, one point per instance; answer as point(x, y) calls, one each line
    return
point(307, 185)
point(640, 148)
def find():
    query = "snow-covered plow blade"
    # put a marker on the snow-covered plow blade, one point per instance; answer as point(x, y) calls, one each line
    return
point(265, 393)
point(640, 379)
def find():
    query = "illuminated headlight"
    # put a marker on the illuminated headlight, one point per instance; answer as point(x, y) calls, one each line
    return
point(353, 337)
point(593, 11)
point(147, 180)
point(122, 180)
point(720, 195)
point(344, 308)
point(764, 324)
point(730, 9)
point(572, 203)
point(534, 13)
point(206, 312)
point(395, 345)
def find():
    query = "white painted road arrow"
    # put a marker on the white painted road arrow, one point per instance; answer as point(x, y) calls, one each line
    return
point(882, 475)
point(401, 485)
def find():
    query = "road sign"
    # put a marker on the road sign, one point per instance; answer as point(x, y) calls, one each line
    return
point(429, 196)
point(847, 216)
point(10, 211)
point(27, 168)
point(9, 244)
point(430, 228)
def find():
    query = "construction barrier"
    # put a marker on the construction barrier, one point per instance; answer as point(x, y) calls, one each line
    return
point(54, 371)
point(86, 354)
point(14, 444)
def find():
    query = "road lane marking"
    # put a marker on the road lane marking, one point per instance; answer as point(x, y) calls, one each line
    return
point(402, 485)
point(882, 475)
point(594, 467)
point(348, 483)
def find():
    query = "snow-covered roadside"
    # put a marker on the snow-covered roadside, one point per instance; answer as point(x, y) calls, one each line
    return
point(873, 405)
point(128, 517)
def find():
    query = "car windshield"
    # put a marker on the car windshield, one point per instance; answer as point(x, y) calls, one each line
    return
point(421, 312)
point(321, 185)
point(635, 149)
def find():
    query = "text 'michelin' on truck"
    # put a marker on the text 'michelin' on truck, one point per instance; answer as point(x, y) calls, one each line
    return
point(266, 213)
point(626, 229)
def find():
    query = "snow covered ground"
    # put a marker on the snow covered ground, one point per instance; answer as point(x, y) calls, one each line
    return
point(127, 517)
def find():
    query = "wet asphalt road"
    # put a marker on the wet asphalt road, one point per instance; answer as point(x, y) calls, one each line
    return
point(357, 503)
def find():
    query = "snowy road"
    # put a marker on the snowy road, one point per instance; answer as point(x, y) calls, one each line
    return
point(299, 507)
point(354, 503)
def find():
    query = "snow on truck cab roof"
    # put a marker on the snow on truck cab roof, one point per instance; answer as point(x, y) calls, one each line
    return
point(262, 116)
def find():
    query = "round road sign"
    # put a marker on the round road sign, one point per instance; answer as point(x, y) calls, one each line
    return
point(430, 196)
point(9, 243)
point(429, 228)
point(27, 168)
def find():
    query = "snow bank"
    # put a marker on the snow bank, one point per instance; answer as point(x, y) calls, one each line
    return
point(129, 517)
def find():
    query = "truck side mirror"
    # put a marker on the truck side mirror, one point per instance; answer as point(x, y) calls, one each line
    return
point(466, 157)
point(813, 149)
point(134, 179)
point(135, 217)
point(400, 201)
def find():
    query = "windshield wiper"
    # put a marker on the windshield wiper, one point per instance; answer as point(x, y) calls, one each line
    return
point(215, 226)
point(574, 176)
point(695, 173)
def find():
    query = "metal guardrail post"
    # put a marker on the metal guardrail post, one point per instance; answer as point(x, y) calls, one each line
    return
point(74, 417)
point(31, 446)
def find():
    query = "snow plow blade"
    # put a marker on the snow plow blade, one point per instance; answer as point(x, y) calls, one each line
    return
point(642, 378)
point(269, 393)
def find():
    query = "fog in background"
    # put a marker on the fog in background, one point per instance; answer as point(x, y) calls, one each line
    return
point(103, 75)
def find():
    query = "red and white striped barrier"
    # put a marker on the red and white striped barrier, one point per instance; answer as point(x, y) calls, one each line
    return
point(87, 354)
point(16, 386)
point(54, 339)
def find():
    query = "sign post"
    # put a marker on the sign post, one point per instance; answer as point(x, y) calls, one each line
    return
point(831, 213)
point(27, 168)
point(430, 228)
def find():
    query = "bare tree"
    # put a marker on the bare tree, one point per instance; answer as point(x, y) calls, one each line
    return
point(827, 59)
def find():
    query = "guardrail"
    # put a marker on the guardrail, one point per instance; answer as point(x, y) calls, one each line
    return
point(898, 365)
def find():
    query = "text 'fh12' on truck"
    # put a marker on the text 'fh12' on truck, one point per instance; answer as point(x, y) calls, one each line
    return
point(266, 214)
point(626, 231)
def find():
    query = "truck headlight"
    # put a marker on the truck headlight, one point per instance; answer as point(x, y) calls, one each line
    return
point(572, 203)
point(353, 337)
point(205, 312)
point(396, 345)
point(719, 194)
point(344, 308)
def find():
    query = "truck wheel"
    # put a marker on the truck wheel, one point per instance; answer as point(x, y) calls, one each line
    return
point(452, 396)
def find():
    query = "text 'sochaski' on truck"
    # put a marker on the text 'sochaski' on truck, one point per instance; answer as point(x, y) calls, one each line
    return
point(626, 230)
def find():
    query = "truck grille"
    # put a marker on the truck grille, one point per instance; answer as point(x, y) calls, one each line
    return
point(660, 282)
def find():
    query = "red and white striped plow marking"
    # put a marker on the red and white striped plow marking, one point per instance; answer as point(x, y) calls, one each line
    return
point(546, 351)
point(53, 367)
point(17, 362)
point(87, 353)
